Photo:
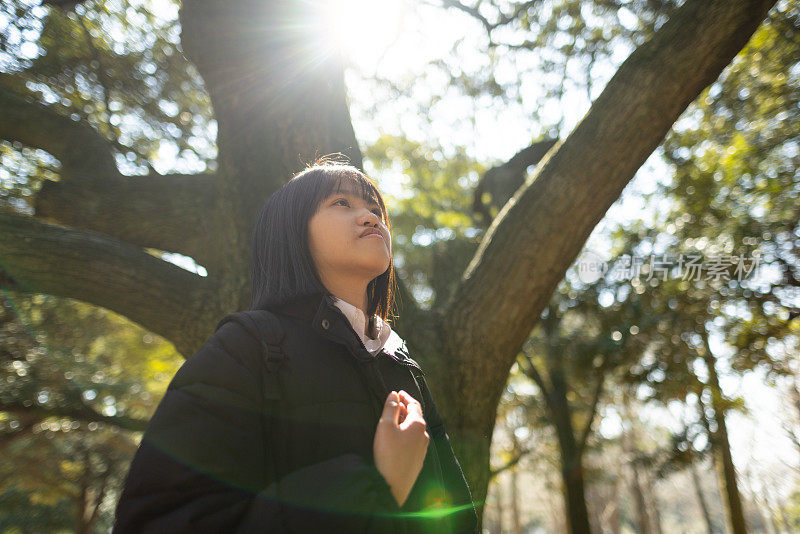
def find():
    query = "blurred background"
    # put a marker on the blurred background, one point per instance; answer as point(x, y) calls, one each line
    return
point(663, 363)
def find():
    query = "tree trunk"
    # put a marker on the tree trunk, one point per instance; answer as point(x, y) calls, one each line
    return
point(701, 499)
point(557, 506)
point(571, 457)
point(616, 519)
point(514, 495)
point(722, 449)
point(594, 503)
point(652, 502)
point(498, 507)
point(642, 517)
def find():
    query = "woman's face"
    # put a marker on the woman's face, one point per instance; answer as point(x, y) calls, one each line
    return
point(336, 242)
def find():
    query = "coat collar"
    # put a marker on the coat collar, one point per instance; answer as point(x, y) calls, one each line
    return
point(319, 310)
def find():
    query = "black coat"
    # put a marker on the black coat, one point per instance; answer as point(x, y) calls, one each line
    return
point(205, 460)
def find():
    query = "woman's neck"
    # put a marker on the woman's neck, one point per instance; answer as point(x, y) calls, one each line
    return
point(352, 294)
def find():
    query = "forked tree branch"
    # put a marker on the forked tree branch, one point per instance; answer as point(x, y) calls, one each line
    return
point(542, 228)
point(169, 212)
point(81, 150)
point(41, 258)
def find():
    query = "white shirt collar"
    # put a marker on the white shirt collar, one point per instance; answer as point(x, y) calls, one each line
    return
point(358, 320)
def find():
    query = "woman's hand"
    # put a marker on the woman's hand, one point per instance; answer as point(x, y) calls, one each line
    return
point(400, 445)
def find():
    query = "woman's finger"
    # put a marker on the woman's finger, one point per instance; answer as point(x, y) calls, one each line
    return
point(403, 412)
point(391, 408)
point(411, 403)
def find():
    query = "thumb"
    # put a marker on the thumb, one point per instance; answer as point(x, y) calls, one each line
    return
point(391, 408)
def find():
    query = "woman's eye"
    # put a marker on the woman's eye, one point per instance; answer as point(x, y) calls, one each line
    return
point(376, 211)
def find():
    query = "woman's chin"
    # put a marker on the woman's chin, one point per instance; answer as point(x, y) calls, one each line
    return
point(378, 266)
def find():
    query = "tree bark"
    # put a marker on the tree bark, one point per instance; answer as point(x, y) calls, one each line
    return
point(162, 212)
point(729, 487)
point(85, 265)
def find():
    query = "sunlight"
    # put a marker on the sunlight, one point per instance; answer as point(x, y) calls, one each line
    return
point(363, 29)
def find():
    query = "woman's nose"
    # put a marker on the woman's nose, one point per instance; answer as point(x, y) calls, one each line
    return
point(370, 218)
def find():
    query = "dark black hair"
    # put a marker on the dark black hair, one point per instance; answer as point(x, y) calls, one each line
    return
point(282, 267)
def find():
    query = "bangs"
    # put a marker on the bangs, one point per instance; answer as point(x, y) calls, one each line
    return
point(346, 179)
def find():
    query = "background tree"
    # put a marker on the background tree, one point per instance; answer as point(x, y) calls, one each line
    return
point(78, 385)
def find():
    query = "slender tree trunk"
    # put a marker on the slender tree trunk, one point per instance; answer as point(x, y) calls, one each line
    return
point(642, 517)
point(794, 395)
point(652, 500)
point(514, 494)
point(82, 497)
point(101, 494)
point(701, 499)
point(594, 503)
point(498, 505)
point(80, 510)
point(571, 460)
point(616, 520)
point(630, 450)
point(722, 449)
point(557, 508)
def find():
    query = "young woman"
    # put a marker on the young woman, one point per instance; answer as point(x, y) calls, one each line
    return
point(357, 444)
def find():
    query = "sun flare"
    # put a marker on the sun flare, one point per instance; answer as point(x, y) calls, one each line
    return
point(363, 29)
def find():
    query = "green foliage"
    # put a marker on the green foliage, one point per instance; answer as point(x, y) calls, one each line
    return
point(116, 66)
point(434, 233)
point(73, 377)
point(737, 187)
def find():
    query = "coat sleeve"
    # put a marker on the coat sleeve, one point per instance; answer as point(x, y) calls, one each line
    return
point(201, 465)
point(464, 518)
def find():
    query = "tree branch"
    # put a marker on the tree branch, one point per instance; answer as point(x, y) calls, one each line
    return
point(81, 150)
point(40, 258)
point(502, 181)
point(542, 228)
point(598, 391)
point(502, 19)
point(529, 369)
point(471, 11)
point(511, 463)
point(83, 413)
point(169, 212)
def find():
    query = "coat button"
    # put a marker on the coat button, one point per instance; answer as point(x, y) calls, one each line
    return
point(325, 324)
